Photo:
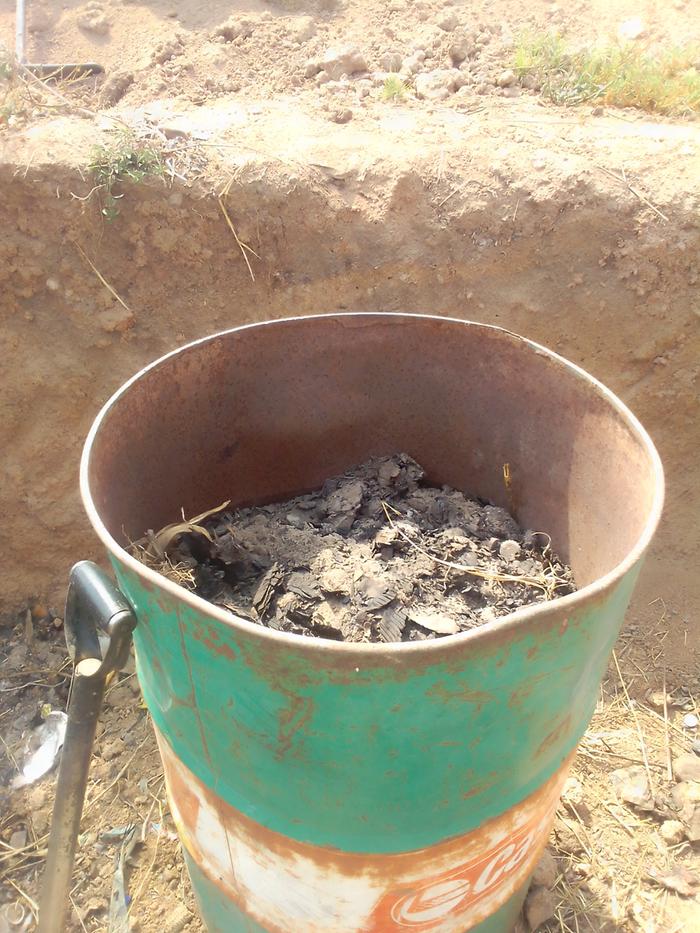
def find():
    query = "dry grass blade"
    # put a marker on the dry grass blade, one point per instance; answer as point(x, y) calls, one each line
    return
point(102, 278)
point(623, 180)
point(23, 894)
point(244, 248)
point(547, 586)
point(633, 711)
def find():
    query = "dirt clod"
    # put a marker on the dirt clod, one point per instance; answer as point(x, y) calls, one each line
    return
point(672, 832)
point(376, 554)
point(539, 907)
point(687, 768)
point(546, 872)
point(632, 786)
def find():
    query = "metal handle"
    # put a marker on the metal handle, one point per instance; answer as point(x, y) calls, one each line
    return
point(94, 607)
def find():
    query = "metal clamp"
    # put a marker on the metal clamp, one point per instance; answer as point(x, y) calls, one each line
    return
point(98, 625)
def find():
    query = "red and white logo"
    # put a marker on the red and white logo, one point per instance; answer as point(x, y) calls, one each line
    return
point(493, 875)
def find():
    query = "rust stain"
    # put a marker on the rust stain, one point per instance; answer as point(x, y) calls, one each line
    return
point(519, 695)
point(208, 636)
point(461, 692)
point(195, 706)
point(479, 788)
point(291, 719)
point(555, 736)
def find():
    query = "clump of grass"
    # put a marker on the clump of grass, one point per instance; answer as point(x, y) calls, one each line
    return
point(664, 81)
point(126, 160)
point(394, 88)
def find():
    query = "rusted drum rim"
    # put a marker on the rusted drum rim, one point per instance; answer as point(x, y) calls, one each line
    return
point(499, 627)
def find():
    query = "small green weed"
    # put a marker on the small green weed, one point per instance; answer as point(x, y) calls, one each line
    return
point(663, 81)
point(394, 88)
point(128, 160)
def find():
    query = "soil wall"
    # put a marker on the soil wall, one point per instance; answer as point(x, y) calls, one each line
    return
point(568, 259)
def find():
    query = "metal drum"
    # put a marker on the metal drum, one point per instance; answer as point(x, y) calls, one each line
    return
point(323, 787)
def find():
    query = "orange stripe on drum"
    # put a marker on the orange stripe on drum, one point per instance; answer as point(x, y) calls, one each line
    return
point(285, 884)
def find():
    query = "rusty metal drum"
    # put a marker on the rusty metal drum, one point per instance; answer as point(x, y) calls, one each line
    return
point(323, 787)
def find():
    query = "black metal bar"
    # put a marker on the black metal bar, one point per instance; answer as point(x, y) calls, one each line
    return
point(94, 606)
point(83, 712)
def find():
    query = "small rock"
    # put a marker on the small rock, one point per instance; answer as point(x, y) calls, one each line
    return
point(344, 60)
point(572, 794)
point(672, 832)
point(632, 785)
point(322, 77)
point(435, 85)
point(116, 319)
point(434, 622)
point(460, 51)
point(509, 550)
point(342, 116)
point(172, 131)
point(696, 746)
point(631, 29)
point(540, 905)
point(177, 919)
point(684, 797)
point(93, 19)
point(235, 27)
point(391, 62)
point(303, 29)
point(411, 65)
point(690, 721)
point(52, 284)
point(657, 699)
point(18, 839)
point(687, 768)
point(166, 51)
point(547, 872)
point(513, 91)
point(506, 78)
point(692, 829)
point(115, 87)
point(448, 21)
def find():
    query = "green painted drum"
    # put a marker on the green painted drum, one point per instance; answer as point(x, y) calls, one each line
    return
point(322, 787)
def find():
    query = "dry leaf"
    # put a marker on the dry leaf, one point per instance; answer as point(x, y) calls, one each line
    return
point(679, 879)
point(160, 541)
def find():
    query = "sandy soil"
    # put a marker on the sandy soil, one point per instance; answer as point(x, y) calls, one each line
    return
point(199, 52)
point(575, 227)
